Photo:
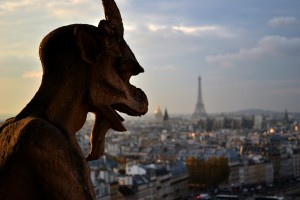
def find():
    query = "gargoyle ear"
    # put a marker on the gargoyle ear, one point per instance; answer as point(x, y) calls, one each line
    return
point(87, 43)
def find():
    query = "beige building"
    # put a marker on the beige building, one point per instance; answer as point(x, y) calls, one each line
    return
point(289, 167)
point(296, 164)
point(234, 176)
point(256, 173)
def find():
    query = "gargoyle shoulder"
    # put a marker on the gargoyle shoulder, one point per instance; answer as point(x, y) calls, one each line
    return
point(40, 138)
point(50, 155)
point(26, 132)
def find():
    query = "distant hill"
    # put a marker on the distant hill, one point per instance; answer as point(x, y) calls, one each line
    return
point(257, 112)
point(263, 112)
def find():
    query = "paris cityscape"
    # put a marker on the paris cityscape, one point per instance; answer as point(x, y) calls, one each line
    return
point(222, 82)
point(161, 156)
point(249, 154)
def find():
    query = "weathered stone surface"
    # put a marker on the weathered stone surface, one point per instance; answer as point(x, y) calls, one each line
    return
point(85, 69)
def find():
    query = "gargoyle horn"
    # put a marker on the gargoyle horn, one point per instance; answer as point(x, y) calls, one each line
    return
point(113, 16)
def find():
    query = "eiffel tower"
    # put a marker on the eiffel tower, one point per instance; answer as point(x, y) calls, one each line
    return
point(199, 110)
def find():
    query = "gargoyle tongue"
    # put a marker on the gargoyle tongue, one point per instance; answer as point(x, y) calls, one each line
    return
point(106, 119)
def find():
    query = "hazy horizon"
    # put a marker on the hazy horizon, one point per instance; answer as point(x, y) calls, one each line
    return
point(151, 114)
point(247, 52)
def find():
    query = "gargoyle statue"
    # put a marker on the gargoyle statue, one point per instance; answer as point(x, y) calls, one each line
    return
point(85, 69)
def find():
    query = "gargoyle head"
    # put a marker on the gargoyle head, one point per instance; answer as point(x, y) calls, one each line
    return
point(104, 64)
point(112, 63)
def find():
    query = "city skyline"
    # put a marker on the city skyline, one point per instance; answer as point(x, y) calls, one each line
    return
point(247, 53)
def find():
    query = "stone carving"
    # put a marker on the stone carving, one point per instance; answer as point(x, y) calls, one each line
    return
point(85, 69)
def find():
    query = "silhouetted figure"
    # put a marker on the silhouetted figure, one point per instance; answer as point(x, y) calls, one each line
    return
point(85, 69)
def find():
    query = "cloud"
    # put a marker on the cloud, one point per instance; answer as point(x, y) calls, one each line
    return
point(197, 31)
point(11, 6)
point(20, 10)
point(155, 27)
point(203, 31)
point(71, 8)
point(130, 27)
point(32, 75)
point(269, 47)
point(282, 21)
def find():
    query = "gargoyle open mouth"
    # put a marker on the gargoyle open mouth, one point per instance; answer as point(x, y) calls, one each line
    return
point(135, 103)
point(137, 106)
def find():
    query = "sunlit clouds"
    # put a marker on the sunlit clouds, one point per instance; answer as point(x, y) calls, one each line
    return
point(282, 21)
point(201, 31)
point(73, 9)
point(155, 27)
point(130, 27)
point(197, 31)
point(247, 52)
point(13, 5)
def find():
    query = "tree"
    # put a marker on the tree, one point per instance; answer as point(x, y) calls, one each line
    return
point(207, 173)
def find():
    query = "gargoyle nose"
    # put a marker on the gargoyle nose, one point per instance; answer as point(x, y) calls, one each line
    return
point(131, 65)
point(140, 69)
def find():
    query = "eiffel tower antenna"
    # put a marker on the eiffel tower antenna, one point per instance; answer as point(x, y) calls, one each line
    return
point(199, 110)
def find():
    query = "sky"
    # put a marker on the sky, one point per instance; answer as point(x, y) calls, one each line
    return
point(246, 52)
